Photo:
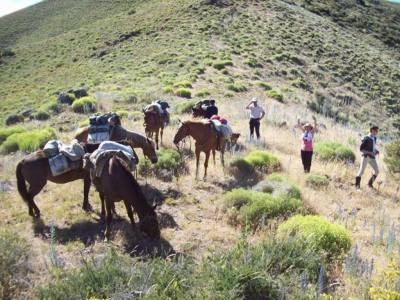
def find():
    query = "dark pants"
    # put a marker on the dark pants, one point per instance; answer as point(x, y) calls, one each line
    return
point(255, 124)
point(306, 158)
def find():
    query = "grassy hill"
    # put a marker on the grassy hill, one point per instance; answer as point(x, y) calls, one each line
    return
point(234, 236)
point(317, 53)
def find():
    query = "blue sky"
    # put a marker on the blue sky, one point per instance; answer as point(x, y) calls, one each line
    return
point(9, 6)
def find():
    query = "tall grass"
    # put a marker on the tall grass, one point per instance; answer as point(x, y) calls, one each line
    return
point(27, 141)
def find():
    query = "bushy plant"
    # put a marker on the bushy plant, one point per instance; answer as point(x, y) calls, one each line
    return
point(275, 95)
point(184, 107)
point(317, 181)
point(243, 171)
point(331, 151)
point(6, 132)
point(41, 115)
point(14, 119)
point(263, 161)
point(278, 186)
point(183, 92)
point(122, 113)
point(168, 89)
point(386, 285)
point(331, 240)
point(392, 156)
point(27, 141)
point(13, 264)
point(251, 206)
point(51, 107)
point(183, 84)
point(202, 93)
point(237, 87)
point(84, 105)
point(264, 85)
point(219, 65)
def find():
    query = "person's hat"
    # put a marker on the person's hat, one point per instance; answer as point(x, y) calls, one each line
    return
point(254, 100)
point(309, 125)
point(374, 127)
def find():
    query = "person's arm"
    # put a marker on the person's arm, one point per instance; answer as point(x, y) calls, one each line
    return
point(248, 105)
point(262, 114)
point(300, 126)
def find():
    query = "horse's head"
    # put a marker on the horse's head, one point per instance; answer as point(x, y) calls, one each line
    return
point(149, 224)
point(149, 150)
point(183, 131)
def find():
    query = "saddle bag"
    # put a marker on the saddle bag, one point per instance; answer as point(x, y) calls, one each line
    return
point(59, 165)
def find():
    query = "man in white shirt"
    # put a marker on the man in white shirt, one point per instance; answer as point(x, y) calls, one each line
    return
point(256, 114)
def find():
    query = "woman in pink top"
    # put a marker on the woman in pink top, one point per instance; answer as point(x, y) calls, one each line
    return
point(307, 144)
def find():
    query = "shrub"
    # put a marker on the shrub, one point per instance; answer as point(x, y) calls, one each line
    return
point(183, 92)
point(122, 113)
point(202, 93)
point(168, 89)
point(6, 132)
point(278, 186)
point(317, 181)
point(392, 156)
point(128, 95)
point(84, 105)
point(84, 123)
point(253, 63)
point(386, 285)
point(51, 107)
point(237, 87)
point(243, 171)
point(169, 164)
point(251, 206)
point(263, 161)
point(331, 240)
point(13, 264)
point(14, 119)
point(264, 85)
point(334, 151)
point(184, 107)
point(41, 115)
point(219, 65)
point(27, 141)
point(183, 84)
point(275, 95)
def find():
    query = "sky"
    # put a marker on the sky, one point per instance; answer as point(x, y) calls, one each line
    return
point(9, 6)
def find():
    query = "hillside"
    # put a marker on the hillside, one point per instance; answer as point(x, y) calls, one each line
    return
point(309, 53)
point(257, 229)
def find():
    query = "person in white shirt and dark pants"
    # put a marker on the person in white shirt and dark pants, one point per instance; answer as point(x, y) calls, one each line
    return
point(256, 114)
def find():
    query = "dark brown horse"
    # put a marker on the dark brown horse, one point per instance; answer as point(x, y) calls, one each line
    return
point(117, 182)
point(206, 141)
point(35, 169)
point(154, 124)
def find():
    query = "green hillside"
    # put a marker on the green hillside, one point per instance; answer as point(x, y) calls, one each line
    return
point(311, 51)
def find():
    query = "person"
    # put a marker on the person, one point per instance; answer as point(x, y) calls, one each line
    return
point(369, 151)
point(307, 143)
point(211, 110)
point(256, 114)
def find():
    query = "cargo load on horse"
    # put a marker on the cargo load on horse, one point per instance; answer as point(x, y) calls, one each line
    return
point(97, 160)
point(156, 118)
point(63, 157)
point(100, 127)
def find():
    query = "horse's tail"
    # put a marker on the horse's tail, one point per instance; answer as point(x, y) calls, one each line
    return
point(21, 185)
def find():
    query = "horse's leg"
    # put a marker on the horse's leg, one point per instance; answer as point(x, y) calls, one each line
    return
point(109, 218)
point(86, 188)
point(33, 190)
point(157, 139)
point(130, 212)
point(103, 209)
point(197, 162)
point(222, 159)
point(206, 164)
point(161, 135)
point(213, 154)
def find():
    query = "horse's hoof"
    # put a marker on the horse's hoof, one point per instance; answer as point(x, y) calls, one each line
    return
point(205, 178)
point(87, 208)
point(106, 239)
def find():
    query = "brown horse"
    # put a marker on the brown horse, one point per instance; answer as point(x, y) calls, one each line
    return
point(35, 169)
point(206, 141)
point(115, 183)
point(154, 124)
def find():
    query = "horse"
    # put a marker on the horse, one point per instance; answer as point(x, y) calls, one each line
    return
point(35, 169)
point(117, 182)
point(154, 123)
point(206, 140)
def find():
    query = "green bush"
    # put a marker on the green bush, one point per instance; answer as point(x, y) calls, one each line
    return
point(256, 207)
point(317, 181)
point(169, 164)
point(184, 107)
point(278, 186)
point(41, 115)
point(275, 95)
point(27, 141)
point(202, 93)
point(237, 87)
point(331, 240)
point(51, 107)
point(263, 161)
point(122, 113)
point(168, 89)
point(219, 65)
point(243, 172)
point(334, 151)
point(84, 105)
point(83, 123)
point(264, 85)
point(13, 264)
point(6, 132)
point(253, 63)
point(183, 84)
point(183, 92)
point(392, 156)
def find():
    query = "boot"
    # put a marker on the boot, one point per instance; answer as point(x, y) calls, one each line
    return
point(358, 181)
point(371, 181)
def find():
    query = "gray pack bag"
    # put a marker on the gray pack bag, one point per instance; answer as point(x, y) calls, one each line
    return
point(59, 165)
point(52, 148)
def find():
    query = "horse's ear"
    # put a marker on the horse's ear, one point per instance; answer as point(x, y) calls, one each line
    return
point(180, 121)
point(143, 110)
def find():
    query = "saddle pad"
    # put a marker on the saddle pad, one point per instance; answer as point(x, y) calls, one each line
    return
point(73, 151)
point(60, 164)
point(224, 130)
